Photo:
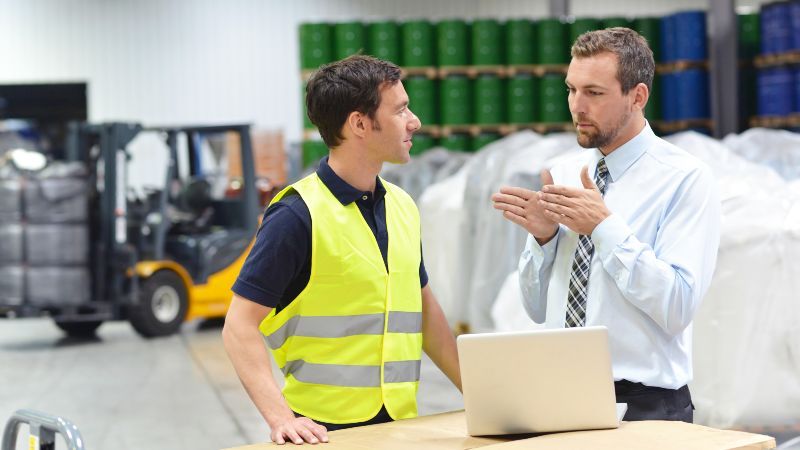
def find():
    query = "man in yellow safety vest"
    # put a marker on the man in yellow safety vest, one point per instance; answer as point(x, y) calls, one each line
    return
point(335, 281)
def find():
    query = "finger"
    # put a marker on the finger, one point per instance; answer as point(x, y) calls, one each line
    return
point(510, 199)
point(561, 210)
point(320, 432)
point(293, 436)
point(586, 180)
point(547, 177)
point(567, 191)
point(519, 220)
point(517, 192)
point(307, 434)
point(277, 437)
point(555, 217)
point(558, 199)
point(510, 208)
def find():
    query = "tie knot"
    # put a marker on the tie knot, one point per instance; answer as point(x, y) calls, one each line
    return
point(601, 175)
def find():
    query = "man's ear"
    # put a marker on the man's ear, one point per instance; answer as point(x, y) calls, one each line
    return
point(640, 95)
point(357, 123)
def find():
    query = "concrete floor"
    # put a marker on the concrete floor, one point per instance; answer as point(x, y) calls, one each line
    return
point(125, 393)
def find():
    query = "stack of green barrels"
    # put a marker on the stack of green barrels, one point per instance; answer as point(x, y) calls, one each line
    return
point(454, 100)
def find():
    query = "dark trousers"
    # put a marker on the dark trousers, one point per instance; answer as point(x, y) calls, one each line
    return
point(382, 417)
point(653, 403)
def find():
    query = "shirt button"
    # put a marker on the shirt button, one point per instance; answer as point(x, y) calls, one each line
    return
point(364, 197)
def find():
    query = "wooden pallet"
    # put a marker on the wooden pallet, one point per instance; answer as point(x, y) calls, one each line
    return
point(790, 121)
point(680, 66)
point(777, 59)
point(430, 73)
point(681, 125)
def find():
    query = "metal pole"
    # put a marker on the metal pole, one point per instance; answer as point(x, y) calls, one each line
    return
point(559, 8)
point(724, 66)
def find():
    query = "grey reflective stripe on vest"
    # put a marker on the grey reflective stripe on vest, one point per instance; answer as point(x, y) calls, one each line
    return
point(326, 327)
point(401, 371)
point(352, 375)
point(404, 322)
point(341, 326)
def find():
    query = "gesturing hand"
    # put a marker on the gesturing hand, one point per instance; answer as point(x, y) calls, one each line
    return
point(579, 209)
point(522, 207)
point(299, 430)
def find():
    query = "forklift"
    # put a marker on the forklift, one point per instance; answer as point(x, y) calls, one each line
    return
point(168, 255)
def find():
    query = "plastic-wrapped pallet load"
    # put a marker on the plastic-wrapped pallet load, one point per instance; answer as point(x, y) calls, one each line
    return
point(746, 340)
point(514, 161)
point(44, 233)
point(469, 248)
point(778, 149)
point(424, 170)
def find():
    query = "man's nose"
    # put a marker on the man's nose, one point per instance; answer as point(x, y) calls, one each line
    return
point(415, 124)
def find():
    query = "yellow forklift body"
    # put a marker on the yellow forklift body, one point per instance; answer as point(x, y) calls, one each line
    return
point(207, 300)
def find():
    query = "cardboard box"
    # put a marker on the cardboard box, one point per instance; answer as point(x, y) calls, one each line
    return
point(449, 432)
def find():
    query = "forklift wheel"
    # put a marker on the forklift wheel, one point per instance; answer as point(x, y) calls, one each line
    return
point(79, 329)
point(162, 305)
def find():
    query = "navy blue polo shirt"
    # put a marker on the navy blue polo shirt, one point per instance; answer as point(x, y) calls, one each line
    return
point(279, 264)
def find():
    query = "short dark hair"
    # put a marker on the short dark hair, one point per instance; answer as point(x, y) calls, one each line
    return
point(337, 89)
point(634, 56)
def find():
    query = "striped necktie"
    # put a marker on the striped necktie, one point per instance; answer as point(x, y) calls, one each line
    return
point(582, 263)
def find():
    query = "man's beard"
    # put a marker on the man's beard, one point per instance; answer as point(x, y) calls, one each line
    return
point(602, 138)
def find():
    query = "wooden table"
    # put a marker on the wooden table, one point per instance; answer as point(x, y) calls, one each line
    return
point(449, 432)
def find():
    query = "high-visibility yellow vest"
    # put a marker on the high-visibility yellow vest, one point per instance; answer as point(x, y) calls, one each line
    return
point(351, 341)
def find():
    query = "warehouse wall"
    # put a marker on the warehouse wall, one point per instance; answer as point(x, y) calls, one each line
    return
point(204, 61)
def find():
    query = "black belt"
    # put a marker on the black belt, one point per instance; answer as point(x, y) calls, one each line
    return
point(625, 387)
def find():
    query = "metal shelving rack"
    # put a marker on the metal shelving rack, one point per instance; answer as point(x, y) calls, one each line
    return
point(723, 62)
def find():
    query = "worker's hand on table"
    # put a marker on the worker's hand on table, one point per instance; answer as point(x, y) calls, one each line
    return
point(299, 430)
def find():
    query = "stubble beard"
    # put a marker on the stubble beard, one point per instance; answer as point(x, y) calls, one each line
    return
point(601, 138)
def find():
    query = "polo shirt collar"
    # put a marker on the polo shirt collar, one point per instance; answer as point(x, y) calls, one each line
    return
point(343, 191)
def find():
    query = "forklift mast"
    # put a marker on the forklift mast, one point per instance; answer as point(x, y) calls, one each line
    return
point(113, 256)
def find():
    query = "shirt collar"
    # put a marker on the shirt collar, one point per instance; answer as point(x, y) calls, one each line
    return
point(625, 155)
point(343, 191)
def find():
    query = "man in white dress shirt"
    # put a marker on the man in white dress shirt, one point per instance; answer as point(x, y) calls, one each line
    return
point(624, 234)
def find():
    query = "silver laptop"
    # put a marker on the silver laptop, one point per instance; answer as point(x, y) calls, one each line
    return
point(538, 381)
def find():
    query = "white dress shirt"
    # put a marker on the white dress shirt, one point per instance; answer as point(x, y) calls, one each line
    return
point(653, 260)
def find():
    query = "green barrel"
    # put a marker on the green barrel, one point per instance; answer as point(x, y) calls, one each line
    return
point(452, 39)
point(610, 22)
point(455, 100)
point(551, 42)
point(749, 36)
point(457, 142)
point(418, 41)
point(520, 38)
point(422, 98)
point(487, 43)
point(481, 140)
point(422, 143)
point(489, 104)
point(652, 110)
point(313, 151)
point(648, 27)
point(306, 121)
point(383, 41)
point(580, 26)
point(521, 99)
point(349, 38)
point(553, 106)
point(315, 45)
